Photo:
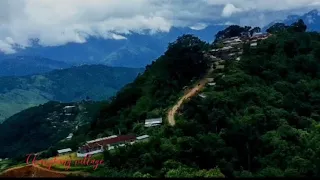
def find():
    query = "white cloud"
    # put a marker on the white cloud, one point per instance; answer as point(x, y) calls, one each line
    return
point(229, 9)
point(199, 26)
point(57, 22)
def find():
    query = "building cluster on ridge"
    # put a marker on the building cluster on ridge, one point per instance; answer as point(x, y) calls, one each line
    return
point(232, 48)
point(109, 143)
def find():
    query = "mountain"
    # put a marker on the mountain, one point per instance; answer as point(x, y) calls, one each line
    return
point(99, 82)
point(311, 19)
point(37, 128)
point(261, 119)
point(27, 65)
point(136, 51)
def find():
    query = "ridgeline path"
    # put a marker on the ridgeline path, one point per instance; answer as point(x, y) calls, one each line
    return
point(190, 93)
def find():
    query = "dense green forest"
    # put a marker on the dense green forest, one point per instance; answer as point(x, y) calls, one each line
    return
point(38, 128)
point(68, 85)
point(262, 118)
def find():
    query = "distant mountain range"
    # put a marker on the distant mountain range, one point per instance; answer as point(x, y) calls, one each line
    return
point(136, 51)
point(311, 19)
point(99, 82)
point(27, 65)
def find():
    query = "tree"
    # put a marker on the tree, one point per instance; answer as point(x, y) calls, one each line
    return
point(276, 28)
point(299, 26)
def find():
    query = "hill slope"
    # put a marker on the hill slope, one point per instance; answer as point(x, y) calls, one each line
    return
point(26, 65)
point(74, 84)
point(261, 119)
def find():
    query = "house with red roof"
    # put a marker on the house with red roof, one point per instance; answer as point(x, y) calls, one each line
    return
point(107, 143)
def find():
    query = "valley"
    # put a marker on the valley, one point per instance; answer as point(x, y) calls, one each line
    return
point(97, 82)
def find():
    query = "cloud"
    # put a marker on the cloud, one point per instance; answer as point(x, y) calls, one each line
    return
point(57, 22)
point(199, 26)
point(229, 9)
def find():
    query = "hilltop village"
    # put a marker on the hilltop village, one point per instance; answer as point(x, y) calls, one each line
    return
point(226, 109)
point(109, 143)
point(225, 50)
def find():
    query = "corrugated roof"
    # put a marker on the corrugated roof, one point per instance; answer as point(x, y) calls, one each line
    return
point(153, 120)
point(64, 150)
point(142, 137)
point(100, 139)
point(105, 142)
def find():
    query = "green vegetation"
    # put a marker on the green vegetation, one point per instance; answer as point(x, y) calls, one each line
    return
point(74, 84)
point(261, 120)
point(37, 128)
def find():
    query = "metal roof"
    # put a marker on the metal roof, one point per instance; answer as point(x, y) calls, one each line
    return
point(64, 150)
point(105, 142)
point(153, 120)
point(100, 139)
point(142, 137)
point(66, 107)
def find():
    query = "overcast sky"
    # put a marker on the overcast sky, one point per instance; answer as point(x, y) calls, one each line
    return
point(57, 22)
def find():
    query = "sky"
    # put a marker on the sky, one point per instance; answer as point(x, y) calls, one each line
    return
point(57, 22)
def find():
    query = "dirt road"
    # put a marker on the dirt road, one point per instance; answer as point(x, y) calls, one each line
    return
point(191, 92)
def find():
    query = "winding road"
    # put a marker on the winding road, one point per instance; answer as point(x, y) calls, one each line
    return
point(190, 93)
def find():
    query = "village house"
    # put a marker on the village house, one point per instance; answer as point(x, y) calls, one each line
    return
point(101, 144)
point(211, 84)
point(143, 138)
point(203, 96)
point(253, 44)
point(69, 109)
point(153, 122)
point(64, 151)
point(69, 136)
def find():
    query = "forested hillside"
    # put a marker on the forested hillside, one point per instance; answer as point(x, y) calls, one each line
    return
point(98, 82)
point(38, 128)
point(261, 119)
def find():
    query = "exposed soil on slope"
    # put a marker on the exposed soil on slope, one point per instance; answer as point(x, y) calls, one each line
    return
point(31, 171)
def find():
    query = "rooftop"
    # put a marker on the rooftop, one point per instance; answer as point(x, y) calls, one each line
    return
point(142, 137)
point(100, 139)
point(68, 107)
point(64, 150)
point(202, 95)
point(153, 120)
point(106, 142)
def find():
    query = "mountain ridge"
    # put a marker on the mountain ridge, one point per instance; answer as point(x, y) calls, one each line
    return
point(66, 85)
point(311, 19)
point(116, 52)
point(28, 65)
